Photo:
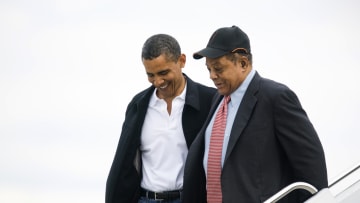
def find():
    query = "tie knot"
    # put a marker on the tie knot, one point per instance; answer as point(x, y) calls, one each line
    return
point(227, 99)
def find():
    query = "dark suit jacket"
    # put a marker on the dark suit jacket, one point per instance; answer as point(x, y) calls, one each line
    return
point(272, 144)
point(123, 183)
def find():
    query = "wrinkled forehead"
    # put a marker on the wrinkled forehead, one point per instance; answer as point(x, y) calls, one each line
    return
point(214, 62)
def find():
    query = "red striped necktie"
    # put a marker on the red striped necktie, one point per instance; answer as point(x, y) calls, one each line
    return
point(214, 194)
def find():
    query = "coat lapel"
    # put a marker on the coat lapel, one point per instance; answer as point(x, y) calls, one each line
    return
point(244, 113)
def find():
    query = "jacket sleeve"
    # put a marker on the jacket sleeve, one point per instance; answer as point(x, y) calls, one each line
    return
point(123, 181)
point(299, 140)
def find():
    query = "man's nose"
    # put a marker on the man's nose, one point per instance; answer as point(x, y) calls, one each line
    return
point(213, 75)
point(158, 81)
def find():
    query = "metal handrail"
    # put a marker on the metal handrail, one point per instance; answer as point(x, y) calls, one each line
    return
point(286, 190)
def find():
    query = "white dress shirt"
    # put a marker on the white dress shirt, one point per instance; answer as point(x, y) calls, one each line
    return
point(163, 145)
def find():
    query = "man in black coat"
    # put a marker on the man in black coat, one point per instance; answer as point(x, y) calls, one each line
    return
point(269, 141)
point(160, 124)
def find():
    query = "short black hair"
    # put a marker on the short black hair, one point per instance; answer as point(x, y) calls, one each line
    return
point(161, 44)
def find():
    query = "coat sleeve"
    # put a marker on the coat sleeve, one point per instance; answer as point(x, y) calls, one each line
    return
point(299, 140)
point(123, 180)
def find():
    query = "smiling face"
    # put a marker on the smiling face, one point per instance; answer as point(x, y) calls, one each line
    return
point(227, 74)
point(166, 75)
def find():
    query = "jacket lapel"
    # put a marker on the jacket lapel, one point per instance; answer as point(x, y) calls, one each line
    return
point(244, 113)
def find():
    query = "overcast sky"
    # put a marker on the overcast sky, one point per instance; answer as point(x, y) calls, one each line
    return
point(68, 69)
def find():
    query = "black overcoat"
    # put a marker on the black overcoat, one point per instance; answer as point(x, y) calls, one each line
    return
point(123, 183)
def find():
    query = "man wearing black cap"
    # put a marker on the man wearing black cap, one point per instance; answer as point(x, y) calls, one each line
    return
point(266, 140)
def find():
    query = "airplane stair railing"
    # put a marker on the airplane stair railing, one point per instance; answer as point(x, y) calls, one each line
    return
point(286, 190)
point(344, 189)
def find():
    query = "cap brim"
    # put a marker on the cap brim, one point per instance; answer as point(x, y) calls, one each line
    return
point(209, 52)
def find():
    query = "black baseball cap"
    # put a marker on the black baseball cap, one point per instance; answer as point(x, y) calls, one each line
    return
point(225, 40)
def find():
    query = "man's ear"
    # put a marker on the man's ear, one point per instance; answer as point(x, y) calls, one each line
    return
point(182, 60)
point(243, 63)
